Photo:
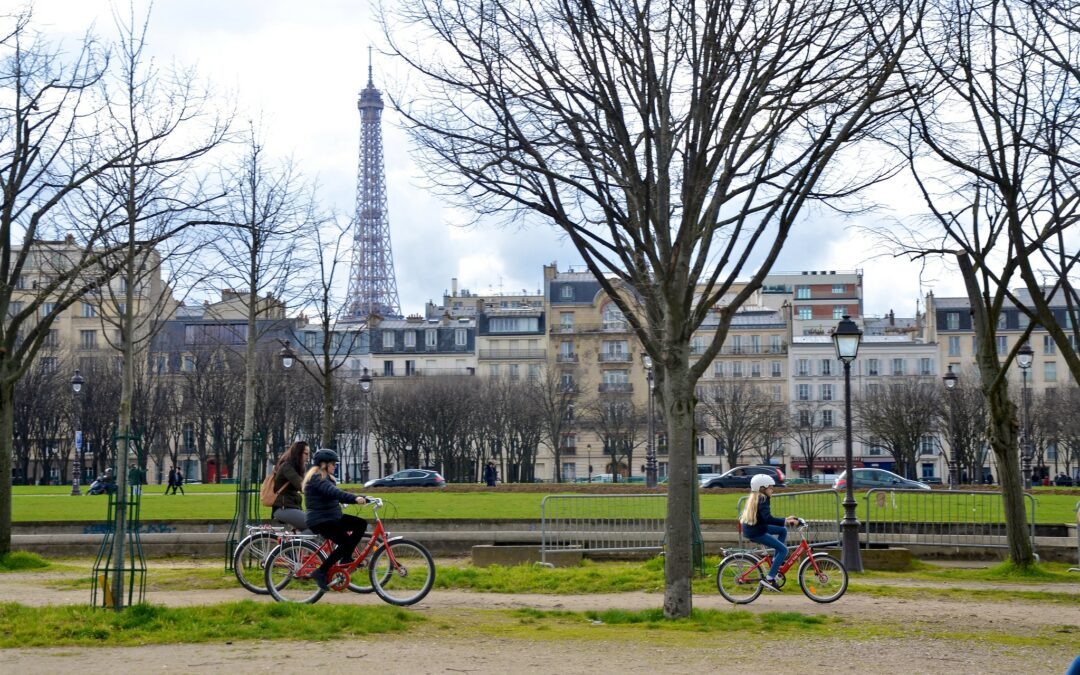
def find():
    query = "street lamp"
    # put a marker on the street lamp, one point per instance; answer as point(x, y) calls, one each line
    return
point(650, 445)
point(846, 337)
point(950, 379)
point(287, 360)
point(1024, 357)
point(77, 382)
point(365, 391)
point(588, 448)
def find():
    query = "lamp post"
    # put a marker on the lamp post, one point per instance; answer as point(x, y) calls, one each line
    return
point(77, 382)
point(588, 448)
point(950, 379)
point(650, 444)
point(1024, 357)
point(846, 337)
point(365, 392)
point(287, 360)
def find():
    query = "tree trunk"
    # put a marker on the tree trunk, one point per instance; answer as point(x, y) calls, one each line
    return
point(1004, 441)
point(7, 448)
point(677, 400)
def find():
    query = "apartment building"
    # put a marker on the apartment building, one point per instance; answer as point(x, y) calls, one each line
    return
point(817, 299)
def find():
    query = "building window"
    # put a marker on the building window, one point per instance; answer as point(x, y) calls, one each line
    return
point(697, 345)
point(804, 392)
point(613, 318)
point(876, 448)
point(1049, 348)
point(566, 292)
point(47, 308)
point(1050, 371)
point(567, 381)
point(410, 339)
point(777, 393)
point(88, 311)
point(926, 367)
point(718, 369)
point(188, 364)
point(431, 338)
point(460, 337)
point(802, 292)
point(88, 339)
point(387, 339)
point(805, 313)
point(1002, 345)
point(898, 366)
point(493, 371)
point(511, 324)
point(805, 418)
point(774, 344)
point(952, 320)
point(736, 369)
point(410, 367)
point(777, 369)
point(928, 444)
point(954, 345)
point(803, 366)
point(839, 289)
point(48, 364)
point(826, 418)
point(838, 311)
point(826, 366)
point(1002, 322)
point(755, 369)
point(873, 367)
point(534, 372)
point(388, 368)
point(515, 371)
point(566, 321)
point(52, 339)
point(755, 344)
point(826, 392)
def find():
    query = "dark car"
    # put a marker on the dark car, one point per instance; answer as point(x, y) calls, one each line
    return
point(1063, 481)
point(867, 478)
point(409, 478)
point(739, 477)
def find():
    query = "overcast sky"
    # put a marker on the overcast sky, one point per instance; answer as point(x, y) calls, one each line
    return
point(300, 66)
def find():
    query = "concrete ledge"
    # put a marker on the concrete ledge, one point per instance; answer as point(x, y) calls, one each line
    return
point(485, 555)
point(881, 559)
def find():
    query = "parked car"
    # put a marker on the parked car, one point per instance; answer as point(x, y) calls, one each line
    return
point(823, 479)
point(932, 480)
point(1063, 480)
point(409, 478)
point(706, 477)
point(797, 481)
point(595, 478)
point(739, 477)
point(879, 478)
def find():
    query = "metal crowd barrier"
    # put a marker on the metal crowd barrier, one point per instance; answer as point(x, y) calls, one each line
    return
point(939, 518)
point(819, 508)
point(602, 523)
point(1077, 569)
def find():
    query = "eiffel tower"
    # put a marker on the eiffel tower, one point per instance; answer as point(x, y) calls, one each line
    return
point(372, 284)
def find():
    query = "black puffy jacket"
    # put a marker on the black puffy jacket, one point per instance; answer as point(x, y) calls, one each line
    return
point(324, 499)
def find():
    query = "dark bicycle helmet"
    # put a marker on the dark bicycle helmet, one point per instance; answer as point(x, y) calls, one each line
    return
point(324, 455)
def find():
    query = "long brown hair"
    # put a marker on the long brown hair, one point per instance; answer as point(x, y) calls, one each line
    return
point(295, 456)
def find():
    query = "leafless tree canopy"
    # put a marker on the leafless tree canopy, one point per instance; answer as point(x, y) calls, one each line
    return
point(897, 416)
point(739, 416)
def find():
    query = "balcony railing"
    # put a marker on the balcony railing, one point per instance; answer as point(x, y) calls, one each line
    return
point(616, 388)
point(567, 358)
point(563, 329)
point(615, 357)
point(568, 451)
point(512, 354)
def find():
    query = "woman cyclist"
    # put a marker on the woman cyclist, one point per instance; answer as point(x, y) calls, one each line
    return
point(324, 517)
point(761, 527)
point(289, 484)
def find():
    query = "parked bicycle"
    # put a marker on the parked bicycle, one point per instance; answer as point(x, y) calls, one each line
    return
point(251, 554)
point(821, 577)
point(400, 571)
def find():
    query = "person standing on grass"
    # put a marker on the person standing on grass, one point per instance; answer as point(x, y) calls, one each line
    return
point(761, 527)
point(289, 485)
point(171, 485)
point(324, 517)
point(490, 474)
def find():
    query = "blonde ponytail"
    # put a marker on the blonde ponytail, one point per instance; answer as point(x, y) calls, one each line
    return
point(307, 476)
point(749, 513)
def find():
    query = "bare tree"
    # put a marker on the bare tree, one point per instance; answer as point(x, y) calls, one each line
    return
point(557, 405)
point(991, 140)
point(675, 145)
point(738, 415)
point(966, 423)
point(812, 432)
point(617, 422)
point(897, 416)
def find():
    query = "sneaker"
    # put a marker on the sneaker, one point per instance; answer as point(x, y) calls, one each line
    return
point(770, 585)
point(320, 579)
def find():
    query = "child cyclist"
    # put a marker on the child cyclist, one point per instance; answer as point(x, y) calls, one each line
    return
point(324, 517)
point(761, 527)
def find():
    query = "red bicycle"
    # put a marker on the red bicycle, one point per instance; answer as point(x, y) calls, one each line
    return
point(401, 571)
point(821, 577)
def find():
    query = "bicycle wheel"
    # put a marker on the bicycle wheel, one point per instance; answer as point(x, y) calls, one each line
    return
point(738, 578)
point(827, 583)
point(402, 572)
point(249, 559)
point(288, 572)
point(361, 572)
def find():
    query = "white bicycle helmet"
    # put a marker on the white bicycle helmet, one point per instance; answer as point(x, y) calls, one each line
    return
point(760, 482)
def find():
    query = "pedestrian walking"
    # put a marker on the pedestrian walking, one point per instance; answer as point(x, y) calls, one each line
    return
point(490, 474)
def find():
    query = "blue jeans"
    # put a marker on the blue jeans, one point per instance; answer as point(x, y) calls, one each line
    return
point(774, 539)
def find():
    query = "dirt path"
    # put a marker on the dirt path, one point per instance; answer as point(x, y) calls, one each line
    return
point(712, 653)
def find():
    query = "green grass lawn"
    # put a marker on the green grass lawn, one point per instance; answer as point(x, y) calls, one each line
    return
point(217, 502)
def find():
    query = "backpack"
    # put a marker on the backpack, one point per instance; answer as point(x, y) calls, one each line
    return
point(267, 494)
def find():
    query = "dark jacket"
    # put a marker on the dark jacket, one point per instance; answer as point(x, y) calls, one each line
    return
point(764, 519)
point(324, 499)
point(290, 483)
point(490, 474)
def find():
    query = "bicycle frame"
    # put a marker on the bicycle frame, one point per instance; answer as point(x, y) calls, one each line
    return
point(803, 549)
point(379, 537)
